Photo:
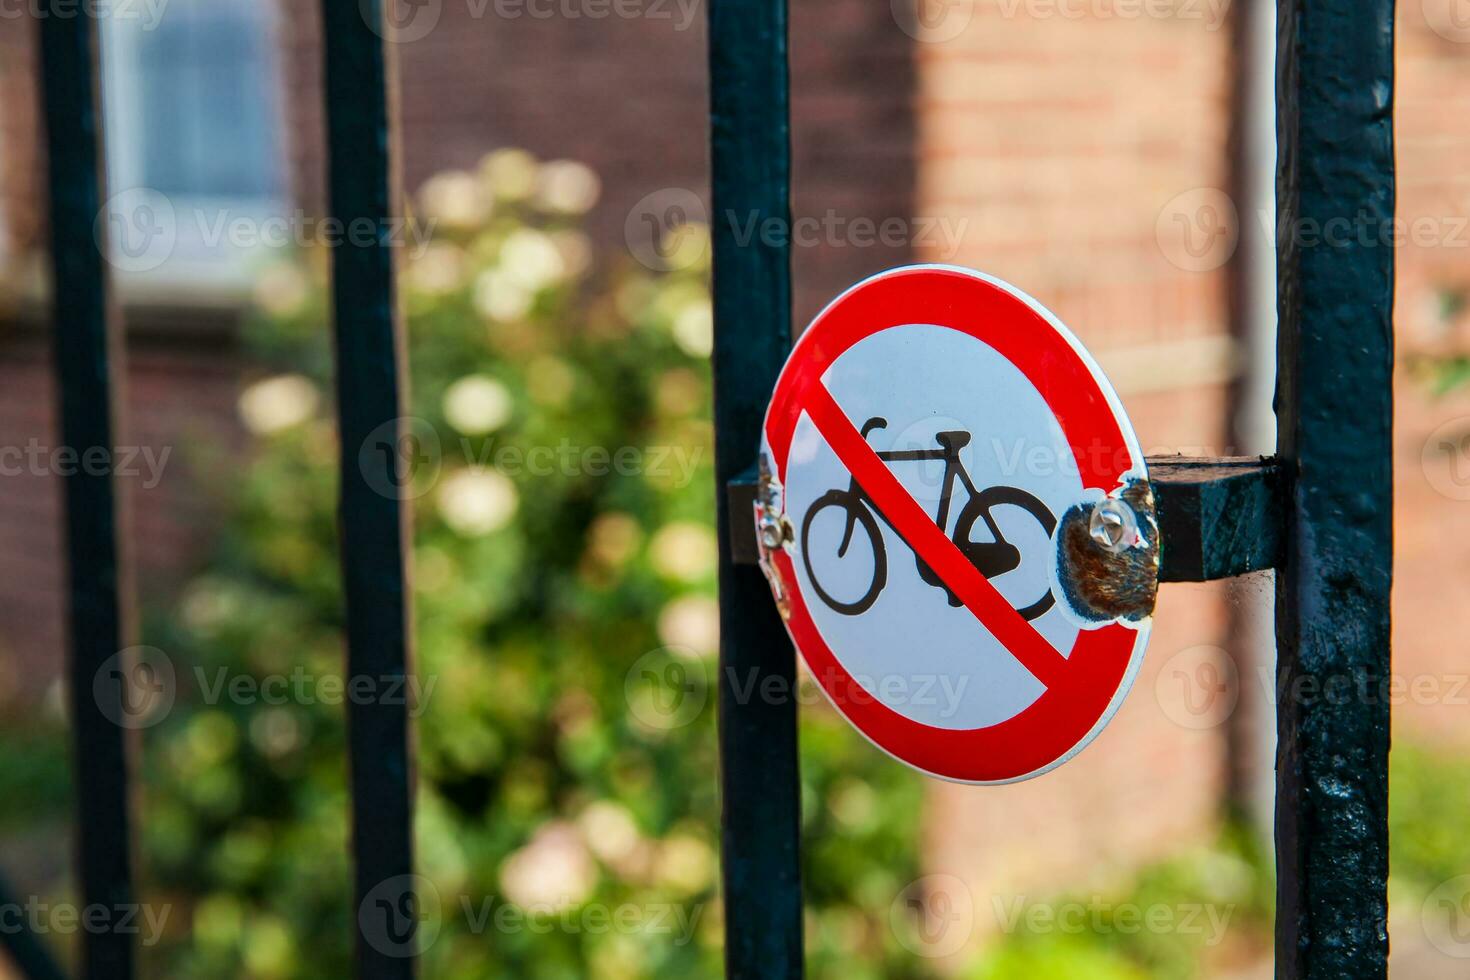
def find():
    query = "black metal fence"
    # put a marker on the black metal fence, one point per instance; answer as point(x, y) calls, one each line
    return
point(1319, 512)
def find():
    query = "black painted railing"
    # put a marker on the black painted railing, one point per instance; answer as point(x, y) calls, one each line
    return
point(1319, 512)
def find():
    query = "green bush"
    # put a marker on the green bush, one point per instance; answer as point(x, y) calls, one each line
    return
point(564, 572)
point(565, 630)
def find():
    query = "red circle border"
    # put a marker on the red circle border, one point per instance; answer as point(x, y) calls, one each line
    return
point(1103, 660)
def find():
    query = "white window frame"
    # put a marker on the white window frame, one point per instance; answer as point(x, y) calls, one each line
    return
point(201, 263)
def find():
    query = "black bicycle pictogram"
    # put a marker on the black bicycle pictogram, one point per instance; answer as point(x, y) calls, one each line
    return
point(993, 558)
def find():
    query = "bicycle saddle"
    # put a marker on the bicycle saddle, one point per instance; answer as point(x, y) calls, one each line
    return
point(955, 439)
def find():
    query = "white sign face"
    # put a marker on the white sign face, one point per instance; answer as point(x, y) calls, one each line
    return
point(929, 431)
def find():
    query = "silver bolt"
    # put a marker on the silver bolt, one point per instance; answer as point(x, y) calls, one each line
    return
point(771, 535)
point(1113, 525)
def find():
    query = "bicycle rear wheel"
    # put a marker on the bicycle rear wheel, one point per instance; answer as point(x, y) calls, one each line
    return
point(978, 508)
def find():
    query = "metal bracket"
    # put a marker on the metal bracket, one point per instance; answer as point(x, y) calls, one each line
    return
point(1218, 518)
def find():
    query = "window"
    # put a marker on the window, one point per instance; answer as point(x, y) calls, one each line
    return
point(194, 141)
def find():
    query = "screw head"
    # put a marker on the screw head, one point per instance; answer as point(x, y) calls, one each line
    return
point(1113, 525)
point(771, 535)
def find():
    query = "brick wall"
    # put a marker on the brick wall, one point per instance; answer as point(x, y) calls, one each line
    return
point(1432, 564)
point(1059, 148)
point(1060, 142)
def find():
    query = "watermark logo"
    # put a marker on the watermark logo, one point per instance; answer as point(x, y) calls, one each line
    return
point(666, 689)
point(40, 918)
point(401, 458)
point(138, 687)
point(1099, 916)
point(1446, 917)
point(401, 917)
point(401, 21)
point(1198, 230)
point(1198, 687)
point(934, 916)
point(37, 459)
point(137, 229)
point(1450, 19)
point(135, 688)
point(664, 230)
point(147, 13)
point(1446, 459)
point(932, 21)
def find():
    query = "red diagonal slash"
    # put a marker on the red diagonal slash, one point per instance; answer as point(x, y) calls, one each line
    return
point(929, 541)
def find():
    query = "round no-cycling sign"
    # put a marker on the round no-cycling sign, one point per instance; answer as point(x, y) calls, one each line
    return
point(929, 431)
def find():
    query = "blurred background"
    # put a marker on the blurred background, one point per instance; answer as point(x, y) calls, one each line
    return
point(1112, 159)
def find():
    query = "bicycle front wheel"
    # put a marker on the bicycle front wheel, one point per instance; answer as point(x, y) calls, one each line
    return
point(856, 517)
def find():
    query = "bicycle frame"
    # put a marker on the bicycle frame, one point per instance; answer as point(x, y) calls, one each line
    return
point(949, 451)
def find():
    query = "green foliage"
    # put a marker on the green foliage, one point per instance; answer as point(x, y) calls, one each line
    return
point(564, 560)
point(1202, 907)
point(565, 628)
point(1430, 796)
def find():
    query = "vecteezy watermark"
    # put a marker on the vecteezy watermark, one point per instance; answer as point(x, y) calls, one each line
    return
point(1199, 230)
point(1446, 917)
point(147, 13)
point(38, 459)
point(666, 689)
point(1450, 19)
point(1200, 687)
point(401, 916)
point(1445, 458)
point(933, 916)
point(136, 688)
point(403, 459)
point(404, 915)
point(665, 230)
point(39, 918)
point(1211, 13)
point(1099, 916)
point(140, 229)
point(672, 919)
point(933, 21)
point(406, 21)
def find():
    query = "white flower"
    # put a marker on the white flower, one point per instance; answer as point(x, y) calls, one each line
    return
point(609, 830)
point(499, 297)
point(510, 173)
point(694, 329)
point(691, 621)
point(440, 269)
point(684, 550)
point(454, 199)
point(575, 248)
point(532, 259)
point(281, 289)
point(475, 502)
point(554, 869)
point(277, 403)
point(476, 404)
point(567, 187)
point(612, 538)
point(686, 863)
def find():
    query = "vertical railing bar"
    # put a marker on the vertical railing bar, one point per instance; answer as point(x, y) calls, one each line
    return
point(761, 796)
point(25, 949)
point(374, 522)
point(88, 366)
point(1335, 199)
